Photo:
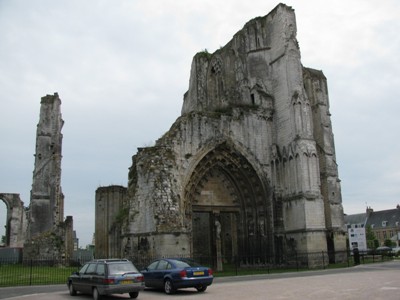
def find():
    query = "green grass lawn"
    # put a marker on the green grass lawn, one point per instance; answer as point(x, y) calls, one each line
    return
point(17, 274)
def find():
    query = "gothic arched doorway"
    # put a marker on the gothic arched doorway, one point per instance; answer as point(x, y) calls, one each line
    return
point(230, 209)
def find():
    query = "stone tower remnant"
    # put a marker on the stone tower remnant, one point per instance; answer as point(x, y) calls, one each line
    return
point(16, 221)
point(111, 208)
point(47, 199)
point(249, 169)
point(46, 228)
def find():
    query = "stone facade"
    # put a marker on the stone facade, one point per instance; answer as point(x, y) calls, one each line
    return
point(249, 167)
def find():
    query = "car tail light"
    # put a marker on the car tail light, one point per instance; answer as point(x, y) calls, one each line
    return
point(210, 272)
point(108, 281)
point(140, 278)
point(183, 273)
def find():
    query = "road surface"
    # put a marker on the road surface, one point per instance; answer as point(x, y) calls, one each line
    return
point(372, 281)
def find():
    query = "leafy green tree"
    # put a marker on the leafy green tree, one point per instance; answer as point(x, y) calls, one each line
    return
point(389, 243)
point(372, 241)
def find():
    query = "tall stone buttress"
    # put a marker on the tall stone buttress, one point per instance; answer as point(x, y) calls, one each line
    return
point(47, 199)
point(248, 171)
point(46, 227)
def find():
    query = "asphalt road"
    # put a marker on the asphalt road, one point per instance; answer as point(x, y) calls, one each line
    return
point(372, 281)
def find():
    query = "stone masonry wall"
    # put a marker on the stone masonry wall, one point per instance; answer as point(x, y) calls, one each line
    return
point(257, 122)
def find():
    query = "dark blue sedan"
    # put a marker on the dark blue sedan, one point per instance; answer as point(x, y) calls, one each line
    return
point(171, 274)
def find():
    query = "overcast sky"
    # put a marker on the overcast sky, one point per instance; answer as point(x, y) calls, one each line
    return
point(121, 68)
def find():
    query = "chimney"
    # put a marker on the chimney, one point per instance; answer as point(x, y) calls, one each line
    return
point(369, 211)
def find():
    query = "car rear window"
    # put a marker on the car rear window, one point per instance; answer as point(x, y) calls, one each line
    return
point(121, 268)
point(185, 263)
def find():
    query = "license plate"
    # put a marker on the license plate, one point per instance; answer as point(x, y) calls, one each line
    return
point(126, 281)
point(197, 273)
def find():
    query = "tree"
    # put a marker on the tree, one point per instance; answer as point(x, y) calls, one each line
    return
point(389, 243)
point(372, 241)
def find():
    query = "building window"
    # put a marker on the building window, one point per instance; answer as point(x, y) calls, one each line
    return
point(253, 99)
point(384, 223)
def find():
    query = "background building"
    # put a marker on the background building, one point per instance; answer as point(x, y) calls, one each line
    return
point(384, 224)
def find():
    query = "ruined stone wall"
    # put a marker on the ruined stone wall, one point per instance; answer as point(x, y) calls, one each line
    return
point(16, 220)
point(156, 212)
point(111, 211)
point(48, 236)
point(47, 200)
point(254, 140)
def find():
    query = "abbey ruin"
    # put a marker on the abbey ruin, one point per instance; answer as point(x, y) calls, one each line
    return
point(248, 169)
point(40, 229)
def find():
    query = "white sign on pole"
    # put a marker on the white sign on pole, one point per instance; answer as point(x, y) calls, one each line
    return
point(357, 239)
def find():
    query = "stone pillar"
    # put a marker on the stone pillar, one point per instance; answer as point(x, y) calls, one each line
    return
point(109, 215)
point(46, 230)
point(218, 245)
point(69, 237)
point(46, 207)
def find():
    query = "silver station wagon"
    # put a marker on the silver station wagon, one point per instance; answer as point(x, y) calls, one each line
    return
point(105, 277)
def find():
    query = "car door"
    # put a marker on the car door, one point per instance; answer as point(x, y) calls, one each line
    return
point(148, 274)
point(87, 278)
point(99, 275)
point(160, 272)
point(77, 279)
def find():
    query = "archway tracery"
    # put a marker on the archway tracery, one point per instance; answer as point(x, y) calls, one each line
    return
point(224, 188)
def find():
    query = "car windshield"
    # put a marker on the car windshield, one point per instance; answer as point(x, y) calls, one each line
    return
point(185, 263)
point(121, 268)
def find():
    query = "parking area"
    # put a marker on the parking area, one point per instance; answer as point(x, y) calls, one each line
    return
point(372, 281)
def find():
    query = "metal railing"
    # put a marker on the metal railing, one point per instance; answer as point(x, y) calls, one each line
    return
point(56, 271)
point(244, 265)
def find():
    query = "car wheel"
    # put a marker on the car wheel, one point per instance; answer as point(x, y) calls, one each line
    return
point(168, 287)
point(71, 289)
point(201, 288)
point(134, 295)
point(96, 295)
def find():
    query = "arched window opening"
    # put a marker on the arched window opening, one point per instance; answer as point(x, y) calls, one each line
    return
point(3, 223)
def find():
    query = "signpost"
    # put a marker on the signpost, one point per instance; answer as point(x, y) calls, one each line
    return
point(357, 239)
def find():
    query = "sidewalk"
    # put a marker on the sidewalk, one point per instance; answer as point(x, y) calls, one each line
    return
point(370, 281)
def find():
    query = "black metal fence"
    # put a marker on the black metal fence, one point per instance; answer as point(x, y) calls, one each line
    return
point(56, 271)
point(244, 265)
point(35, 271)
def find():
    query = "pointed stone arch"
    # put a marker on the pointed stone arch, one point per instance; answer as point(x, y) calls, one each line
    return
point(16, 220)
point(225, 188)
